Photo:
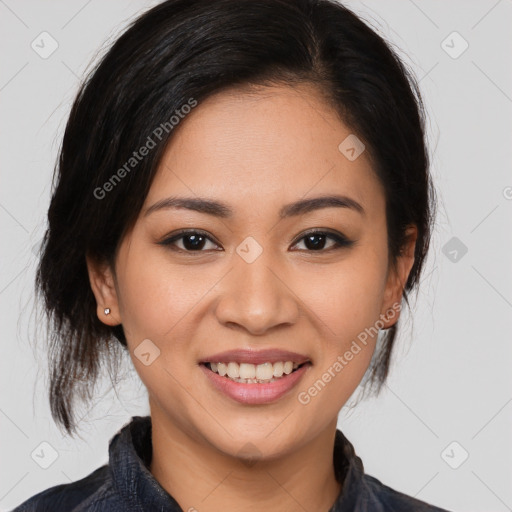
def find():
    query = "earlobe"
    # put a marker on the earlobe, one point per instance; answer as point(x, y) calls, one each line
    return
point(398, 278)
point(101, 278)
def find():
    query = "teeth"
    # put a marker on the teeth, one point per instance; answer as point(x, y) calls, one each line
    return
point(247, 371)
point(250, 373)
point(278, 369)
point(233, 371)
point(222, 369)
point(264, 371)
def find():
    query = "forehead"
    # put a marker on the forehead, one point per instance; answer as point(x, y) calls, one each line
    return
point(266, 143)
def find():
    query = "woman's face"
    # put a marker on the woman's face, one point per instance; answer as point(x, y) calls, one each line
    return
point(256, 281)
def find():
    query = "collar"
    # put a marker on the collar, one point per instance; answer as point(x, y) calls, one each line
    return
point(130, 453)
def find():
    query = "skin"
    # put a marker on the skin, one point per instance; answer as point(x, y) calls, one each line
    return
point(255, 151)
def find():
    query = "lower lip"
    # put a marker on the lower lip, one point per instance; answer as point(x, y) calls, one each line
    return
point(255, 393)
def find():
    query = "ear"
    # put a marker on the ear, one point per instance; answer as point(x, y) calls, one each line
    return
point(397, 277)
point(101, 277)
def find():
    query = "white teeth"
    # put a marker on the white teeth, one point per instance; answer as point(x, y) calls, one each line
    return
point(264, 371)
point(250, 373)
point(278, 369)
point(233, 371)
point(247, 371)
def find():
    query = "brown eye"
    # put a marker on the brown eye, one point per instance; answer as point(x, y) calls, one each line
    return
point(192, 241)
point(315, 241)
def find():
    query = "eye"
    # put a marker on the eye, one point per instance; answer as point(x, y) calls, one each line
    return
point(192, 241)
point(315, 241)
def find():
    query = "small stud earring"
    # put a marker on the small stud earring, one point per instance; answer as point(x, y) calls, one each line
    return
point(107, 311)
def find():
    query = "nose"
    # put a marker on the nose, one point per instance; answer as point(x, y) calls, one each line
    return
point(257, 297)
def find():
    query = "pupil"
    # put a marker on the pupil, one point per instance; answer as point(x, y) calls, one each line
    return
point(196, 241)
point(309, 238)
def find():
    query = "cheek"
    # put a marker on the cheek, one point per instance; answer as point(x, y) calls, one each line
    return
point(346, 297)
point(156, 295)
point(347, 303)
point(155, 302)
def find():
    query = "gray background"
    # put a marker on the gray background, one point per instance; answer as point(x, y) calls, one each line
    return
point(449, 394)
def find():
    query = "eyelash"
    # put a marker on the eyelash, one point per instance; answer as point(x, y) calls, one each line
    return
point(341, 241)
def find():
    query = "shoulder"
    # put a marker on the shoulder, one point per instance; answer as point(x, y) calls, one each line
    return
point(387, 499)
point(96, 488)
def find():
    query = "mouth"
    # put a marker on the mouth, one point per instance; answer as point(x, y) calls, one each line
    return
point(255, 377)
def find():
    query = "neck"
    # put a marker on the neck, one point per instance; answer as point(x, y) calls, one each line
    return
point(200, 478)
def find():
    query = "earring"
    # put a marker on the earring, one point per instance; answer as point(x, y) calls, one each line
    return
point(107, 311)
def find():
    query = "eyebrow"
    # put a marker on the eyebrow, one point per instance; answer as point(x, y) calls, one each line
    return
point(222, 210)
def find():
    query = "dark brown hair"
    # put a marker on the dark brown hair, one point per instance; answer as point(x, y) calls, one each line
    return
point(183, 49)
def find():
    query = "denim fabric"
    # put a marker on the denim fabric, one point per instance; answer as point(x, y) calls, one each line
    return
point(125, 484)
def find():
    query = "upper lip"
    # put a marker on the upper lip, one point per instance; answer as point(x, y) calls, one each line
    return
point(250, 356)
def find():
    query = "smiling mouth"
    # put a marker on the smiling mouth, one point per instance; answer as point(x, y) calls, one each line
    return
point(246, 373)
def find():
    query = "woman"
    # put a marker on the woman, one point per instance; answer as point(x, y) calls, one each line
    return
point(242, 203)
